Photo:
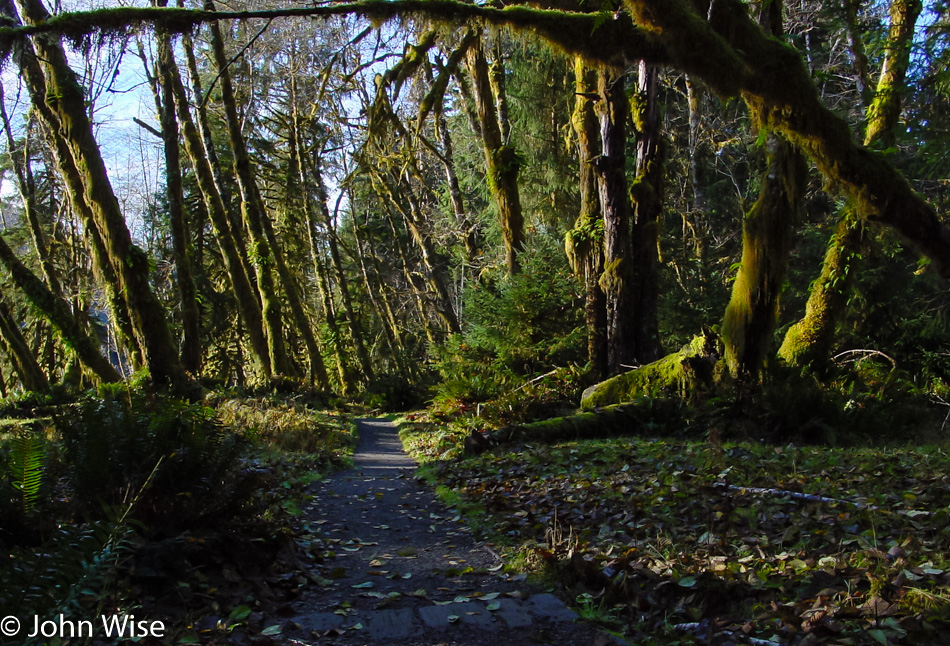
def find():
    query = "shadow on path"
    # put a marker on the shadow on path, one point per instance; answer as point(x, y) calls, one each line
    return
point(395, 566)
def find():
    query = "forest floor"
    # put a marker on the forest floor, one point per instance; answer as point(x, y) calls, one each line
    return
point(681, 541)
point(398, 567)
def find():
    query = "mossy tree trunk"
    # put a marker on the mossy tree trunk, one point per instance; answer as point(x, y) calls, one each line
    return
point(295, 195)
point(252, 212)
point(433, 264)
point(181, 238)
point(584, 242)
point(377, 293)
point(752, 312)
point(120, 321)
point(884, 111)
point(724, 47)
point(414, 285)
point(501, 158)
point(617, 279)
point(434, 101)
point(647, 202)
point(810, 340)
point(347, 379)
point(64, 110)
point(249, 307)
point(750, 317)
point(336, 262)
point(47, 298)
point(20, 161)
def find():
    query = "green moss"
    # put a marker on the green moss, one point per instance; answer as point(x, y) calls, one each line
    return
point(691, 371)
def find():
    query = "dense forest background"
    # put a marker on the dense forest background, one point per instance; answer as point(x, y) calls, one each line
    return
point(384, 211)
point(731, 214)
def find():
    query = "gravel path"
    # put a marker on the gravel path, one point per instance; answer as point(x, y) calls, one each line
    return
point(398, 568)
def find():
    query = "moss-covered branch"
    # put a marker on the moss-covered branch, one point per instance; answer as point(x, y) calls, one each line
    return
point(611, 41)
point(733, 56)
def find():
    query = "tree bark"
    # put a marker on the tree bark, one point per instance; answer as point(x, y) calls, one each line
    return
point(584, 243)
point(27, 187)
point(21, 356)
point(58, 313)
point(356, 331)
point(617, 279)
point(433, 265)
point(810, 340)
point(249, 307)
point(317, 372)
point(647, 202)
point(750, 317)
point(885, 108)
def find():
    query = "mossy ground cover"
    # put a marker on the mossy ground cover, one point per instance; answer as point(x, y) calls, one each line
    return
point(700, 542)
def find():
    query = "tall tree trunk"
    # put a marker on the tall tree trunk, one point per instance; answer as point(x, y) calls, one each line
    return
point(750, 317)
point(21, 356)
point(48, 298)
point(204, 129)
point(616, 281)
point(64, 98)
point(337, 338)
point(321, 273)
point(885, 108)
point(435, 101)
point(809, 341)
point(647, 201)
point(376, 292)
point(249, 306)
point(295, 196)
point(120, 319)
point(584, 243)
point(188, 295)
point(252, 210)
point(501, 158)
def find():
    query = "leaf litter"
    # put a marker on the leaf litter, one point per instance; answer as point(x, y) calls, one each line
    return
point(791, 545)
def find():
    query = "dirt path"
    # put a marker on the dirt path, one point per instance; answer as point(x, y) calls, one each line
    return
point(399, 568)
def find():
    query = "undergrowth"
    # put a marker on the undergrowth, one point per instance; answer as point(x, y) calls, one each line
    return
point(118, 498)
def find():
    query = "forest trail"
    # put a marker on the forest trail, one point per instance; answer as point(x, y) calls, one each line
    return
point(401, 568)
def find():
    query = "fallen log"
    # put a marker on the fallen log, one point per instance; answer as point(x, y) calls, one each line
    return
point(632, 418)
point(691, 372)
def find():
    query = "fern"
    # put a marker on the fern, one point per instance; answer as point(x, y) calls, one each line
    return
point(27, 462)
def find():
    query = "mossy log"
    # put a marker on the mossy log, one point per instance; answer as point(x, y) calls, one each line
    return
point(621, 419)
point(695, 368)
